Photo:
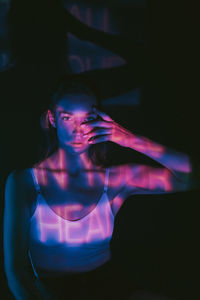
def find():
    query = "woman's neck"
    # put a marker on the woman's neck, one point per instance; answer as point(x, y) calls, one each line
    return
point(63, 159)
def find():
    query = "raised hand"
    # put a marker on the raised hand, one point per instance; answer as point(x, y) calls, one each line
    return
point(104, 128)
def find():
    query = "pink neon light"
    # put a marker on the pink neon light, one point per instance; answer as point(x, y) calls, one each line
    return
point(119, 179)
point(149, 178)
point(66, 211)
point(137, 178)
point(148, 147)
point(47, 225)
point(89, 175)
point(97, 226)
point(61, 177)
point(117, 203)
point(73, 233)
point(140, 176)
point(87, 16)
point(160, 178)
point(42, 176)
point(133, 176)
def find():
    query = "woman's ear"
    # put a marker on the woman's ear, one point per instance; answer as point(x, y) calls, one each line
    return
point(51, 118)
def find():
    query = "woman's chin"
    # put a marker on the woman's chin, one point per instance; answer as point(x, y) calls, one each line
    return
point(77, 147)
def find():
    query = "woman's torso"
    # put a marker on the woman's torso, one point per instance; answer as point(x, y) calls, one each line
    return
point(64, 198)
point(84, 189)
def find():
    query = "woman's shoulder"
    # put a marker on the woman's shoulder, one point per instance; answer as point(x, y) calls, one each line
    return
point(20, 178)
point(20, 189)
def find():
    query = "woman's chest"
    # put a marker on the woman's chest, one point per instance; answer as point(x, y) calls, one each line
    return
point(74, 197)
point(73, 203)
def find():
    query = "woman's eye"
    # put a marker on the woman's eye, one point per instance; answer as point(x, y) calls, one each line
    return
point(65, 118)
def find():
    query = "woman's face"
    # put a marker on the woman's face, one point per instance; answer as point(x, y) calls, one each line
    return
point(71, 110)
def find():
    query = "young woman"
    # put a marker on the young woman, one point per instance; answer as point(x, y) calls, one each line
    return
point(59, 215)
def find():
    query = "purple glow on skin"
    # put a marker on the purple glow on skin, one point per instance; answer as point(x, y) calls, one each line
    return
point(141, 176)
point(117, 203)
point(160, 178)
point(62, 179)
point(48, 223)
point(96, 227)
point(51, 226)
point(180, 163)
point(147, 146)
point(69, 121)
point(150, 178)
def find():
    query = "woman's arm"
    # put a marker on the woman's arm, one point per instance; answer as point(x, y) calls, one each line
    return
point(18, 269)
point(177, 167)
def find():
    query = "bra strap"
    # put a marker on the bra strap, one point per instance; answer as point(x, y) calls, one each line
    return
point(106, 180)
point(37, 187)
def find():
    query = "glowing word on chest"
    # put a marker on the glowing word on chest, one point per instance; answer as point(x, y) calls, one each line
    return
point(95, 226)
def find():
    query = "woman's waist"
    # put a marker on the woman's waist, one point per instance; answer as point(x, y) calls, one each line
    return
point(63, 255)
point(69, 267)
point(52, 277)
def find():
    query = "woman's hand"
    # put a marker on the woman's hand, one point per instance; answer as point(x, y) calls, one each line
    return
point(106, 129)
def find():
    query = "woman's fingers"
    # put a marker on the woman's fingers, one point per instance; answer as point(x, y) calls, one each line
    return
point(104, 118)
point(103, 115)
point(93, 126)
point(98, 131)
point(96, 123)
point(100, 139)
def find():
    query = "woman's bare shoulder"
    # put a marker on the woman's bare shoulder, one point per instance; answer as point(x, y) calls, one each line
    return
point(20, 178)
point(20, 189)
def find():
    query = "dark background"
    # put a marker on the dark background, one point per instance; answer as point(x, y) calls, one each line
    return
point(155, 241)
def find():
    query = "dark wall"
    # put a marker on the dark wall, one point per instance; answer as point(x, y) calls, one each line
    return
point(155, 238)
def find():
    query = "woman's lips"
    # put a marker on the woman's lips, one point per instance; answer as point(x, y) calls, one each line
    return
point(77, 143)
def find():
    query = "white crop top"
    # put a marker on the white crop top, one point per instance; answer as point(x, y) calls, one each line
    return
point(60, 246)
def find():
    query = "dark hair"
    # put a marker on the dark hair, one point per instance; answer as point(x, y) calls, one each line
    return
point(71, 85)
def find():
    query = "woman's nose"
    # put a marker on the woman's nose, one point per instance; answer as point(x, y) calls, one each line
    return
point(77, 127)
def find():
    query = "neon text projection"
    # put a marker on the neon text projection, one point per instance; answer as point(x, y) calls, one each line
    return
point(98, 226)
point(143, 177)
point(134, 177)
point(94, 227)
point(99, 57)
point(80, 230)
